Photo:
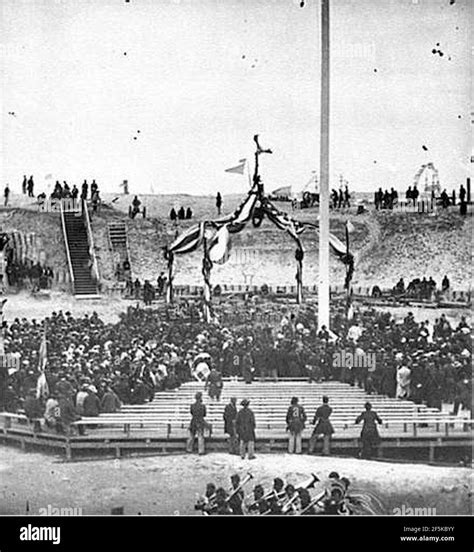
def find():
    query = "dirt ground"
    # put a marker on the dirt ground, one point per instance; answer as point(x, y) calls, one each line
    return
point(109, 308)
point(160, 485)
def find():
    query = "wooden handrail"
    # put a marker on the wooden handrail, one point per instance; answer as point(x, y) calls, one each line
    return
point(66, 241)
point(90, 240)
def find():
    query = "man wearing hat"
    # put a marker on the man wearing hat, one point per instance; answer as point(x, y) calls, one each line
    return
point(197, 424)
point(295, 420)
point(245, 427)
point(230, 416)
point(369, 436)
point(322, 427)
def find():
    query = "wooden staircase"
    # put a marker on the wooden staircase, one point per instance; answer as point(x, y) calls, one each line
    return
point(118, 236)
point(118, 242)
point(84, 285)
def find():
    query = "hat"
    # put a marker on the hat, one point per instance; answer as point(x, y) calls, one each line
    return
point(245, 402)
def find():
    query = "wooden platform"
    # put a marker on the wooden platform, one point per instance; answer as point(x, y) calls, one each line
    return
point(161, 425)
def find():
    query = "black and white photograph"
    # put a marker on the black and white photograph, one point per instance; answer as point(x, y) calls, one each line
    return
point(236, 262)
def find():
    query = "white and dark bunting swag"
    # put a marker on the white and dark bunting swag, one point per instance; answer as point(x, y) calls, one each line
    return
point(215, 236)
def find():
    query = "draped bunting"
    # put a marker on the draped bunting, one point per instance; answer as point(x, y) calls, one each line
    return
point(254, 208)
point(219, 247)
point(189, 241)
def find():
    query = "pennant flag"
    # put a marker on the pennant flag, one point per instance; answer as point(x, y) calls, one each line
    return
point(238, 169)
point(219, 250)
point(43, 354)
point(350, 227)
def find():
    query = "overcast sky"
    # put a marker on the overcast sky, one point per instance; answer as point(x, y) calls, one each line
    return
point(168, 93)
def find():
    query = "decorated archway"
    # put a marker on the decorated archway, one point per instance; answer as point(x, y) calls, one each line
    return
point(215, 237)
point(428, 174)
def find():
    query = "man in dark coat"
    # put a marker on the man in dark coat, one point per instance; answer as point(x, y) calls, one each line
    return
point(322, 427)
point(219, 203)
point(110, 402)
point(214, 384)
point(91, 404)
point(197, 424)
point(369, 436)
point(230, 416)
point(295, 420)
point(33, 409)
point(67, 414)
point(245, 427)
point(247, 366)
point(85, 189)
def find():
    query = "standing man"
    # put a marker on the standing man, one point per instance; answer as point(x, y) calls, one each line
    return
point(245, 428)
point(369, 436)
point(219, 203)
point(24, 184)
point(214, 384)
point(6, 194)
point(230, 417)
point(247, 368)
point(84, 190)
point(322, 427)
point(295, 420)
point(197, 425)
point(30, 186)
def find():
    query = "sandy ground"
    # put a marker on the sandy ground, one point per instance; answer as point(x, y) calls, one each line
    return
point(109, 308)
point(39, 306)
point(160, 485)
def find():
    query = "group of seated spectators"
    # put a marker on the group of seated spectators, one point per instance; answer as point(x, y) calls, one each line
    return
point(152, 350)
point(421, 288)
point(181, 214)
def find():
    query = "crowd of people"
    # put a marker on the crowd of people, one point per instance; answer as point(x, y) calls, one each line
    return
point(60, 192)
point(341, 199)
point(421, 288)
point(149, 351)
point(146, 291)
point(181, 214)
point(330, 496)
point(387, 199)
point(28, 274)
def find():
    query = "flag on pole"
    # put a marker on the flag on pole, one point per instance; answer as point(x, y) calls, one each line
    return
point(43, 353)
point(349, 229)
point(238, 169)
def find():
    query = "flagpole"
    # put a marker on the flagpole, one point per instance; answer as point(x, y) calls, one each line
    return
point(247, 164)
point(348, 283)
point(323, 288)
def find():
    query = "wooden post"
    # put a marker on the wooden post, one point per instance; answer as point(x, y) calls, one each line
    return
point(169, 283)
point(206, 272)
point(323, 289)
